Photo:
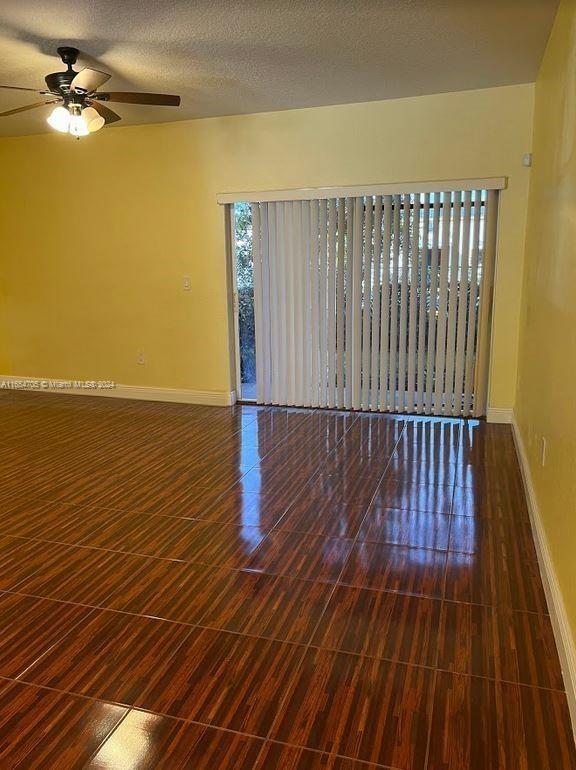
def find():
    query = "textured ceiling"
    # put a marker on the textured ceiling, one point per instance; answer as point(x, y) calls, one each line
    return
point(229, 57)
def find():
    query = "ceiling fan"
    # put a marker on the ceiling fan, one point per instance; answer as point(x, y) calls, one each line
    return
point(81, 109)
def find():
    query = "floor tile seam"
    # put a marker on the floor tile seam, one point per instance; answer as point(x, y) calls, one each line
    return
point(512, 520)
point(128, 553)
point(500, 609)
point(396, 661)
point(108, 735)
point(246, 569)
point(432, 704)
point(445, 579)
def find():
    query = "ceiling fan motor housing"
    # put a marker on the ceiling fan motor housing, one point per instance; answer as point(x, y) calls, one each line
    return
point(68, 55)
point(59, 82)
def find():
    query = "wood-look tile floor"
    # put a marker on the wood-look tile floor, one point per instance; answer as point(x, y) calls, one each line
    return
point(251, 588)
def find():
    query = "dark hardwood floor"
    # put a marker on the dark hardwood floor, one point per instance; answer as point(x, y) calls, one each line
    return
point(250, 588)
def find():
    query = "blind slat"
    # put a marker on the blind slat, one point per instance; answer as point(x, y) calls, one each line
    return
point(423, 284)
point(265, 312)
point(258, 284)
point(322, 298)
point(356, 373)
point(388, 225)
point(278, 342)
point(314, 301)
point(347, 311)
point(307, 325)
point(485, 305)
point(377, 300)
point(298, 300)
point(433, 314)
point(340, 329)
point(455, 246)
point(393, 339)
point(331, 400)
point(289, 303)
point(269, 322)
point(462, 306)
point(403, 322)
point(366, 302)
point(413, 304)
point(442, 307)
point(471, 334)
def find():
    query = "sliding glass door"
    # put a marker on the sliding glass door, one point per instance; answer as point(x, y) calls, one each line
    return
point(372, 302)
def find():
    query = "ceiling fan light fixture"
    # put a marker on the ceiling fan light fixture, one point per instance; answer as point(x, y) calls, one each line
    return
point(78, 125)
point(94, 121)
point(59, 119)
point(81, 109)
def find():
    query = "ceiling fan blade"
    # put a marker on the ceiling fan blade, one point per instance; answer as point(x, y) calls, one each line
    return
point(28, 107)
point(18, 88)
point(109, 115)
point(88, 80)
point(129, 97)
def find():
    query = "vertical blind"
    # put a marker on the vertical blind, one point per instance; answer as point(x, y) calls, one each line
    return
point(375, 302)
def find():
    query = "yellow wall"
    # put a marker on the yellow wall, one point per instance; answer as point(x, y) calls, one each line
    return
point(97, 234)
point(5, 367)
point(546, 399)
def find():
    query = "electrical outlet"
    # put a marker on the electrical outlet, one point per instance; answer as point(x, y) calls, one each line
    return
point(141, 359)
point(187, 283)
point(543, 451)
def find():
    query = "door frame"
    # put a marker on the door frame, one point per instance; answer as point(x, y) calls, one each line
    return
point(233, 298)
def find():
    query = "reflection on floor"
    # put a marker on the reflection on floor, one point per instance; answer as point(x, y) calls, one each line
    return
point(249, 391)
point(194, 587)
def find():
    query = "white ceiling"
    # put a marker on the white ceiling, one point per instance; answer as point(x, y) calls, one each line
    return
point(239, 56)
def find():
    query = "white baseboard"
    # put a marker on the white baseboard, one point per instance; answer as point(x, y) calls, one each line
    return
point(495, 414)
point(138, 392)
point(556, 607)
